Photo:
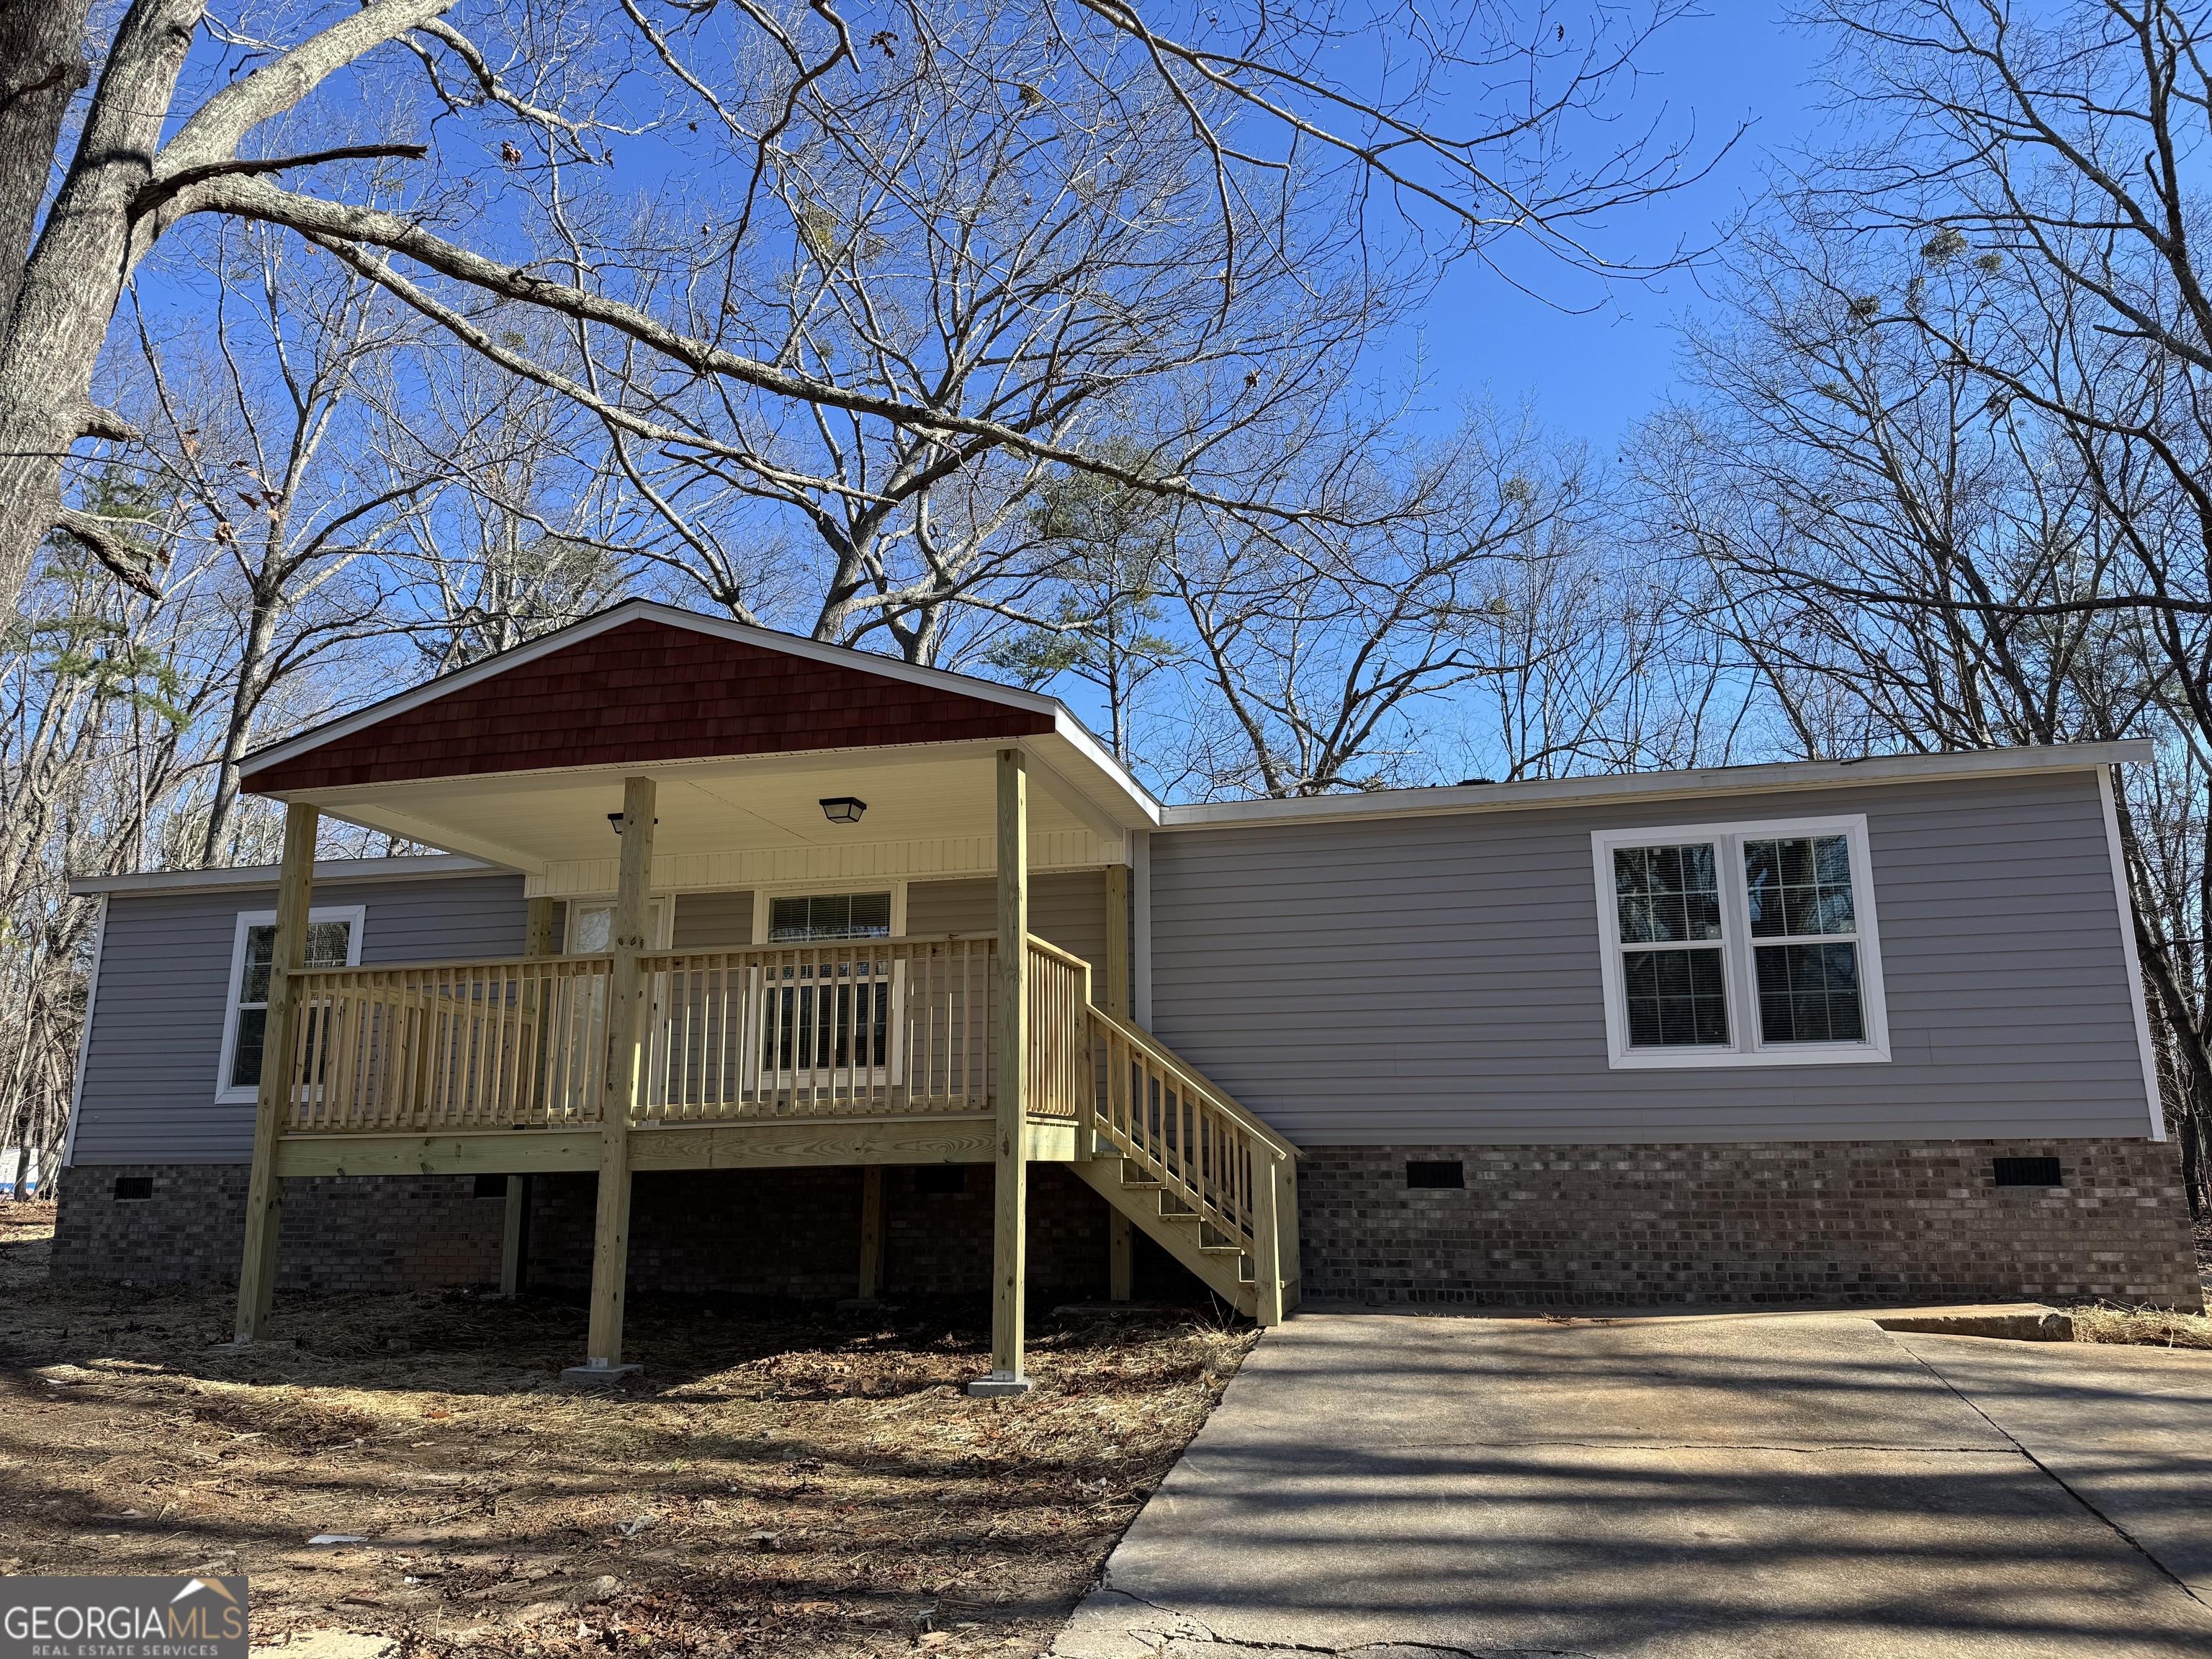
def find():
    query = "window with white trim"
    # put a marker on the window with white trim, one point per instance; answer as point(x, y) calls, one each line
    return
point(333, 941)
point(1742, 944)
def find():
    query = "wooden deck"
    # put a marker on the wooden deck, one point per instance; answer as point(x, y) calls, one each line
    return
point(851, 1052)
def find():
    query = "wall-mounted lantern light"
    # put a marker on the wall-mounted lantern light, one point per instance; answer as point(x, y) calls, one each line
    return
point(842, 809)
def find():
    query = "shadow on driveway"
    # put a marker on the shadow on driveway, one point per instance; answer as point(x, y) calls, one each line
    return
point(1803, 1487)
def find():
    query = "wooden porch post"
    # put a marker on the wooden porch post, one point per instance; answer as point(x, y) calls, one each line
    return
point(1010, 1227)
point(536, 941)
point(537, 928)
point(511, 1237)
point(626, 1000)
point(265, 1201)
point(1267, 1239)
point(1116, 965)
point(1121, 1237)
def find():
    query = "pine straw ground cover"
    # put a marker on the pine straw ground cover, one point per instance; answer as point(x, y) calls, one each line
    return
point(781, 1484)
point(2151, 1326)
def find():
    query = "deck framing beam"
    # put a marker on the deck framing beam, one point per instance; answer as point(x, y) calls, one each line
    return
point(778, 1143)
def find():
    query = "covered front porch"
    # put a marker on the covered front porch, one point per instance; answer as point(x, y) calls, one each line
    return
point(824, 1030)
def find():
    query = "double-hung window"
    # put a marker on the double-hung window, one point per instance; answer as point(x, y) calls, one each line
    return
point(1740, 944)
point(833, 1016)
point(333, 941)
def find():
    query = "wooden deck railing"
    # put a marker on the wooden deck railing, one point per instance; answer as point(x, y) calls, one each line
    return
point(854, 1026)
point(1060, 1070)
point(870, 1026)
point(450, 1045)
point(1180, 1130)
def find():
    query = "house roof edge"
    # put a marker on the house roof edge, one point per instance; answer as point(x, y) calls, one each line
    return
point(1657, 786)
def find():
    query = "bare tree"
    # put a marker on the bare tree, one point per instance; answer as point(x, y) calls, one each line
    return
point(2042, 159)
point(261, 424)
point(1912, 558)
point(528, 103)
point(530, 541)
point(1324, 647)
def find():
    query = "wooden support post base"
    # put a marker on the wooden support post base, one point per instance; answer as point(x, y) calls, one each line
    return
point(599, 1374)
point(999, 1385)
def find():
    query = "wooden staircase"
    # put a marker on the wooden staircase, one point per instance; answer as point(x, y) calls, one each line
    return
point(1198, 1174)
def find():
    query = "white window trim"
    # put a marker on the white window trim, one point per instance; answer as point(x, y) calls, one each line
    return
point(1747, 1048)
point(357, 915)
point(762, 895)
point(662, 934)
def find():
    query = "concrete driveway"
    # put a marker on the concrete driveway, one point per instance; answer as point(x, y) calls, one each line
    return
point(1797, 1486)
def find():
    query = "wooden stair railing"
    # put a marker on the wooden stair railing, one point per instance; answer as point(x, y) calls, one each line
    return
point(1203, 1176)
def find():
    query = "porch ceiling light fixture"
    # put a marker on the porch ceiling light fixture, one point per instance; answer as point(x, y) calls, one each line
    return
point(842, 809)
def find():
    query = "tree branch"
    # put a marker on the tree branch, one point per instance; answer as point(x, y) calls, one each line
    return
point(158, 192)
point(132, 563)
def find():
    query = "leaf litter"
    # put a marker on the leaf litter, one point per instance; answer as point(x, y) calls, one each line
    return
point(781, 1482)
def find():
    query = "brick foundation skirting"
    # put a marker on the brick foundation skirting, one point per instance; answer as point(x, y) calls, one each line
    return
point(770, 1232)
point(1839, 1221)
point(339, 1232)
point(1769, 1221)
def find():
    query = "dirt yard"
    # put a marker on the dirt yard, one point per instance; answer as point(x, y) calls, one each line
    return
point(780, 1483)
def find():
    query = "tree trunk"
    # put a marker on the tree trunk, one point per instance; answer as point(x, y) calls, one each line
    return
point(41, 68)
point(68, 289)
point(245, 696)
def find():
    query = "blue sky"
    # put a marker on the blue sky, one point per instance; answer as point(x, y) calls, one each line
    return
point(1595, 374)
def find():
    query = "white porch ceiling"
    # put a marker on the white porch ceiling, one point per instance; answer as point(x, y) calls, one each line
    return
point(750, 814)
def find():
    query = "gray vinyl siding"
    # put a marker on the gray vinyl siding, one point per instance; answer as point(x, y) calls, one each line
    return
point(1436, 980)
point(1067, 907)
point(711, 920)
point(151, 1062)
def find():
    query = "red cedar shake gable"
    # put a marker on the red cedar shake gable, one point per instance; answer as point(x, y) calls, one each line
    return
point(646, 691)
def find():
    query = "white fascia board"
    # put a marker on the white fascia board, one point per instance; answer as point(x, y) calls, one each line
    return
point(1655, 786)
point(266, 875)
point(1139, 809)
point(629, 610)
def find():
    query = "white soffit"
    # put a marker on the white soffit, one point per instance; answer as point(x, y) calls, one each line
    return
point(740, 807)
